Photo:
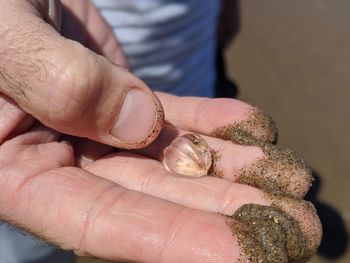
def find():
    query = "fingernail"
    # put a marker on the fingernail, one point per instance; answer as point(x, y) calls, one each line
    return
point(137, 117)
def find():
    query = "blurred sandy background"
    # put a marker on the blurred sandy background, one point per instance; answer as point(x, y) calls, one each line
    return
point(292, 58)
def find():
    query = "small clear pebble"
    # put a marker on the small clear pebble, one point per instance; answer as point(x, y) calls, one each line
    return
point(188, 155)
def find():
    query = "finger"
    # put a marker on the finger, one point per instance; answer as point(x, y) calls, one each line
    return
point(268, 167)
point(37, 135)
point(92, 216)
point(26, 124)
point(105, 220)
point(207, 193)
point(11, 116)
point(13, 120)
point(69, 88)
point(139, 173)
point(224, 118)
point(87, 151)
point(31, 153)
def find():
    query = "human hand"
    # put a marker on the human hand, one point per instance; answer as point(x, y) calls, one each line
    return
point(67, 86)
point(126, 206)
point(82, 199)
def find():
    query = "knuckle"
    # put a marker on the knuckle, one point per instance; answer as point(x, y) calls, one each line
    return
point(74, 91)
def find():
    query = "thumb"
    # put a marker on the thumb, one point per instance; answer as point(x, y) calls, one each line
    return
point(70, 88)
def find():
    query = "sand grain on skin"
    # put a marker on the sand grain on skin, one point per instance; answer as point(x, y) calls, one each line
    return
point(269, 234)
point(281, 171)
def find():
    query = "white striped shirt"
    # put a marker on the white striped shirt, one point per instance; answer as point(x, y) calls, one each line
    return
point(169, 44)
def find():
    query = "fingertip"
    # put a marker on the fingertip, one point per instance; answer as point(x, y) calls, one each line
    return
point(261, 125)
point(279, 171)
point(228, 119)
point(284, 231)
point(306, 216)
point(253, 128)
point(127, 114)
point(139, 121)
point(205, 238)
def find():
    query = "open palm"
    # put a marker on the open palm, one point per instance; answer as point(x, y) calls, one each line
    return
point(96, 200)
point(81, 196)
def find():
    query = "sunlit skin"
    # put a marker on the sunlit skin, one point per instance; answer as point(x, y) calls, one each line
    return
point(85, 196)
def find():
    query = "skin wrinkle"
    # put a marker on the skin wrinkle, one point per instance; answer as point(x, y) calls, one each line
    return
point(71, 100)
point(54, 163)
point(70, 171)
point(225, 202)
point(136, 215)
point(69, 156)
point(5, 178)
point(159, 185)
point(24, 228)
point(201, 111)
point(31, 194)
point(13, 84)
point(92, 214)
point(25, 182)
point(67, 78)
point(64, 78)
point(54, 176)
point(146, 186)
point(67, 89)
point(140, 216)
point(172, 231)
point(169, 103)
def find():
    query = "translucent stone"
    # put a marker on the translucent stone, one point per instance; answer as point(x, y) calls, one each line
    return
point(188, 155)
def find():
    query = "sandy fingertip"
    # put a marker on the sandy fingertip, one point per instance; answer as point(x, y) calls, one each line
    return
point(255, 127)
